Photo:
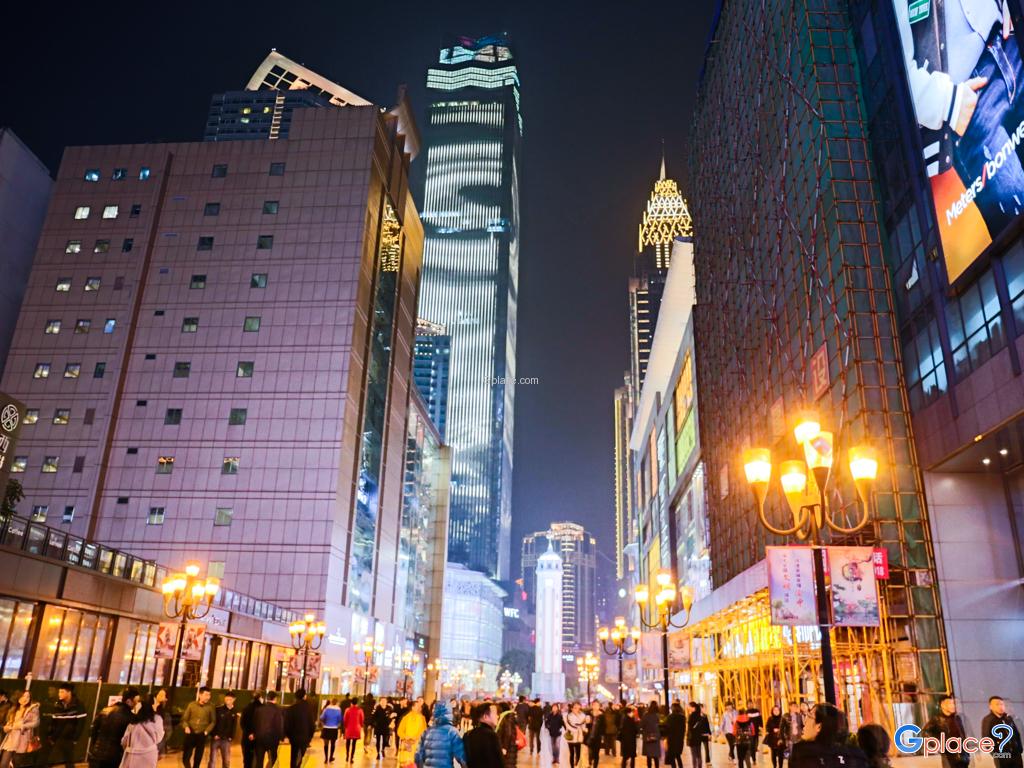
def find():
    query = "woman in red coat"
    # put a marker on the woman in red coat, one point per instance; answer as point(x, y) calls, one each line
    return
point(353, 723)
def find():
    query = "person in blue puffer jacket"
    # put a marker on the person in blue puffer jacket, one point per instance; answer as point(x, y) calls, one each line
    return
point(441, 742)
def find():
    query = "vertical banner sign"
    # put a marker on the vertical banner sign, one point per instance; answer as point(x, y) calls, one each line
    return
point(880, 560)
point(12, 413)
point(650, 650)
point(791, 586)
point(166, 640)
point(854, 592)
point(629, 671)
point(192, 645)
point(819, 372)
point(678, 650)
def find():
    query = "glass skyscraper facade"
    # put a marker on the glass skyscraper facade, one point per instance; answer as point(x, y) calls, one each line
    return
point(430, 369)
point(470, 277)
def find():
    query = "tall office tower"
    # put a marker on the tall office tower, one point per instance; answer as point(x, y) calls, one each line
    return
point(470, 278)
point(430, 369)
point(578, 551)
point(216, 351)
point(25, 186)
point(665, 219)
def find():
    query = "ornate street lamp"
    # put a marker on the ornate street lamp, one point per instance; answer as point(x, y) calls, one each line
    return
point(438, 668)
point(307, 635)
point(803, 484)
point(659, 615)
point(410, 661)
point(187, 597)
point(587, 669)
point(624, 642)
point(368, 648)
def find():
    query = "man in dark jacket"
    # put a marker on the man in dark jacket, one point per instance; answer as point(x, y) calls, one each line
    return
point(299, 726)
point(108, 728)
point(534, 720)
point(481, 742)
point(440, 743)
point(248, 728)
point(758, 722)
point(225, 724)
point(268, 730)
point(949, 724)
point(596, 735)
point(997, 715)
point(522, 712)
point(65, 726)
point(612, 718)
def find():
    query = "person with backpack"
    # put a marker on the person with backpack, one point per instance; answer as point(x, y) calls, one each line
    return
point(441, 742)
point(746, 738)
point(698, 731)
point(824, 743)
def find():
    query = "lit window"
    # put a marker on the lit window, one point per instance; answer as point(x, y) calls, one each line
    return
point(197, 282)
point(99, 370)
point(127, 244)
point(244, 369)
point(72, 370)
point(82, 326)
point(73, 246)
point(119, 174)
point(92, 174)
point(265, 242)
point(172, 417)
point(156, 517)
point(182, 369)
point(92, 284)
point(237, 417)
point(258, 280)
point(31, 416)
point(101, 246)
point(109, 324)
point(63, 284)
point(39, 513)
point(143, 173)
point(164, 465)
point(19, 464)
point(42, 371)
point(211, 209)
point(251, 324)
point(52, 327)
point(215, 568)
point(69, 515)
point(62, 416)
point(135, 211)
point(277, 169)
point(270, 206)
point(219, 171)
point(205, 244)
point(246, 110)
point(110, 212)
point(82, 212)
point(190, 325)
point(223, 516)
point(229, 466)
point(50, 464)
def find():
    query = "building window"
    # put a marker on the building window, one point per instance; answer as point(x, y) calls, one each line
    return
point(110, 212)
point(135, 211)
point(151, 356)
point(99, 370)
point(50, 464)
point(223, 516)
point(119, 174)
point(82, 325)
point(229, 466)
point(19, 464)
point(211, 209)
point(251, 324)
point(90, 416)
point(82, 212)
point(73, 246)
point(156, 516)
point(219, 171)
point(190, 325)
point(158, 313)
point(72, 370)
point(265, 242)
point(63, 285)
point(143, 173)
point(69, 515)
point(42, 371)
point(52, 327)
point(237, 417)
point(197, 282)
point(123, 499)
point(244, 369)
point(127, 244)
point(101, 246)
point(92, 174)
point(109, 325)
point(79, 465)
point(141, 403)
point(277, 169)
point(39, 513)
point(119, 281)
point(72, 644)
point(215, 568)
point(92, 284)
point(975, 325)
point(269, 206)
point(31, 416)
point(205, 244)
point(258, 280)
point(182, 369)
point(164, 465)
point(62, 416)
point(172, 417)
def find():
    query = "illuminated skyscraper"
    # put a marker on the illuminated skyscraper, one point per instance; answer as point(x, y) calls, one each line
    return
point(470, 277)
point(430, 370)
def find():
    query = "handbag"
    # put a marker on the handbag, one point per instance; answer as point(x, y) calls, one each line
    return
point(34, 744)
point(520, 738)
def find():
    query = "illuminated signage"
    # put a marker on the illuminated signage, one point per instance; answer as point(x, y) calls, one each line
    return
point(511, 613)
point(682, 397)
point(686, 442)
point(12, 413)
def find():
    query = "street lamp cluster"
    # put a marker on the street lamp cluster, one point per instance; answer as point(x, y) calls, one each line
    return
point(369, 648)
point(409, 661)
point(588, 668)
point(509, 682)
point(187, 597)
point(659, 614)
point(624, 642)
point(307, 636)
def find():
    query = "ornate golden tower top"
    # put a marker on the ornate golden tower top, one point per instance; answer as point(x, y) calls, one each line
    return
point(666, 218)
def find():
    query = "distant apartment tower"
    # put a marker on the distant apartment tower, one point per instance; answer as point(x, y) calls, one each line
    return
point(470, 281)
point(25, 186)
point(431, 369)
point(578, 550)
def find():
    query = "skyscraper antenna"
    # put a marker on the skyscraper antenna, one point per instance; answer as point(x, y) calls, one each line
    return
point(662, 177)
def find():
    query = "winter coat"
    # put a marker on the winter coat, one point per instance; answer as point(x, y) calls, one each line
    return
point(247, 718)
point(788, 736)
point(698, 729)
point(774, 734)
point(728, 724)
point(107, 730)
point(575, 723)
point(555, 724)
point(225, 723)
point(268, 725)
point(381, 721)
point(1014, 746)
point(675, 733)
point(535, 717)
point(412, 726)
point(67, 720)
point(300, 722)
point(141, 744)
point(353, 720)
point(508, 728)
point(950, 726)
point(22, 725)
point(522, 714)
point(611, 718)
point(629, 729)
point(482, 747)
point(744, 730)
point(331, 717)
point(199, 718)
point(650, 729)
point(596, 734)
point(441, 743)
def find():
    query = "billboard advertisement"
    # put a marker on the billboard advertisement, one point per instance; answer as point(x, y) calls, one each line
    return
point(791, 586)
point(964, 73)
point(854, 592)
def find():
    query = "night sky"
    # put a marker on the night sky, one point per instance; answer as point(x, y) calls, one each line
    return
point(602, 85)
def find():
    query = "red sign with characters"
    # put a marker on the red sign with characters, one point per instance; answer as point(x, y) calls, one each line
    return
point(819, 372)
point(880, 560)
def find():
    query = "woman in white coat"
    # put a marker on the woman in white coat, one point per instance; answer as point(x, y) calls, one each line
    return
point(20, 732)
point(141, 741)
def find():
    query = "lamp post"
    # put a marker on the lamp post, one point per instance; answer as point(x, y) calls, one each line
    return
point(368, 648)
point(187, 597)
point(804, 486)
point(307, 635)
point(587, 669)
point(659, 615)
point(437, 667)
point(478, 682)
point(625, 642)
point(410, 661)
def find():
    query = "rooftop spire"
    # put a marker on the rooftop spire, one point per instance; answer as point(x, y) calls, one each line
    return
point(662, 176)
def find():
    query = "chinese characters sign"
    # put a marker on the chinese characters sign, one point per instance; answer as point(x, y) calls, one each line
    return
point(819, 372)
point(12, 413)
point(791, 586)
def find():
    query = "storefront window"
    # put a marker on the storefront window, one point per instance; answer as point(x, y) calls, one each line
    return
point(230, 663)
point(71, 645)
point(15, 622)
point(139, 664)
point(258, 666)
